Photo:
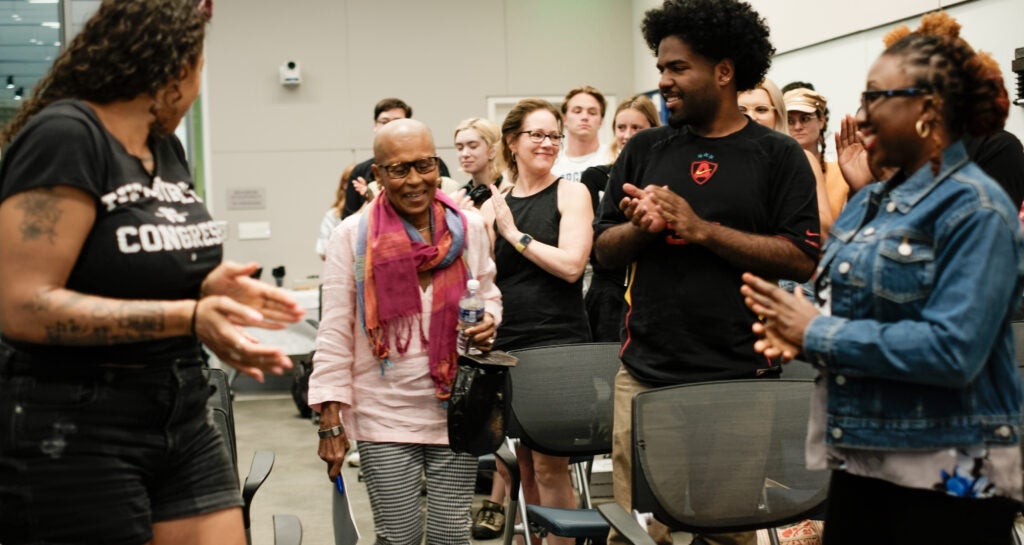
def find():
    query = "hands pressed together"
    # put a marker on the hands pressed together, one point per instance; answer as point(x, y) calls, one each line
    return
point(230, 300)
point(656, 208)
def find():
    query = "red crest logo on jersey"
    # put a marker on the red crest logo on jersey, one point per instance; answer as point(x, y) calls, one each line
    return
point(703, 168)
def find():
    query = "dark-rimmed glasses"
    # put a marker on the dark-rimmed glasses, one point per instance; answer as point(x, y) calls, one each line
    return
point(869, 97)
point(537, 137)
point(397, 171)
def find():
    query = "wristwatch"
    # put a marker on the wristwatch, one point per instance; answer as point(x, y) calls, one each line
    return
point(523, 242)
point(331, 432)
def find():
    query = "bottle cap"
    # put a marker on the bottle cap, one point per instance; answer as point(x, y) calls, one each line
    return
point(472, 284)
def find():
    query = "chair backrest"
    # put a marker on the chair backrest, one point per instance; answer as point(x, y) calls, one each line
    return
point(725, 456)
point(1018, 341)
point(560, 398)
point(221, 410)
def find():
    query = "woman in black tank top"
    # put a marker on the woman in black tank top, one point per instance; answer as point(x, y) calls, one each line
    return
point(542, 233)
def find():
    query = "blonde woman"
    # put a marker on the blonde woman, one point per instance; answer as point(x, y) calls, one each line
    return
point(476, 142)
point(764, 104)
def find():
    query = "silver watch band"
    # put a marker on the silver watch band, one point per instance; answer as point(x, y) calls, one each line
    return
point(331, 432)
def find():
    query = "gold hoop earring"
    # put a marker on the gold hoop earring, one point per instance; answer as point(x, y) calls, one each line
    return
point(923, 129)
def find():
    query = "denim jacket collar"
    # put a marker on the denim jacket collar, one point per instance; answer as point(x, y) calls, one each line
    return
point(922, 182)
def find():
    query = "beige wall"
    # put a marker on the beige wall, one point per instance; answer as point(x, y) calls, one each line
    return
point(823, 42)
point(444, 57)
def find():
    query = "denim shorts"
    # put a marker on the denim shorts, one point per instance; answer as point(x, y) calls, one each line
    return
point(93, 454)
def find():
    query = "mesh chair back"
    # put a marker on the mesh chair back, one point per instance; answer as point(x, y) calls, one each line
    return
point(221, 410)
point(725, 456)
point(1018, 341)
point(561, 398)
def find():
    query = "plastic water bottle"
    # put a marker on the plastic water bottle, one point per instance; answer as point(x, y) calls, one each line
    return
point(471, 313)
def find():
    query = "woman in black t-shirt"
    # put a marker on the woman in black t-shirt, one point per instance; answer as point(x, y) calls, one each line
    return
point(110, 276)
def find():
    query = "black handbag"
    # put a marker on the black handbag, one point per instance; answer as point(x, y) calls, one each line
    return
point(476, 409)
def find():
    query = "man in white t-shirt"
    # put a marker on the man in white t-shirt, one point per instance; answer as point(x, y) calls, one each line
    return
point(583, 110)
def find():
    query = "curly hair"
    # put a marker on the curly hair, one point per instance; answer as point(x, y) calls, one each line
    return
point(127, 49)
point(972, 97)
point(514, 123)
point(715, 29)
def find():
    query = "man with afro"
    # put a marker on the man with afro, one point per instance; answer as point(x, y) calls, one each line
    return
point(690, 207)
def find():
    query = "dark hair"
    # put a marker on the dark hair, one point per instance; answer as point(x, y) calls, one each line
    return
point(972, 98)
point(514, 123)
point(969, 84)
point(587, 90)
point(715, 29)
point(797, 85)
point(390, 104)
point(126, 49)
point(339, 193)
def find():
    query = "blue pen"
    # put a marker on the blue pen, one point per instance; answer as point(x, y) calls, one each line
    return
point(340, 484)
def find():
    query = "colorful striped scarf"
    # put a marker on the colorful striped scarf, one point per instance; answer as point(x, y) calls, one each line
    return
point(389, 254)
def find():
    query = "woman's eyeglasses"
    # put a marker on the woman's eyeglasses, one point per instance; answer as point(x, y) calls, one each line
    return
point(538, 137)
point(804, 119)
point(397, 171)
point(869, 97)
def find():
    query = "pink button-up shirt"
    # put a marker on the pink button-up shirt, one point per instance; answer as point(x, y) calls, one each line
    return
point(391, 404)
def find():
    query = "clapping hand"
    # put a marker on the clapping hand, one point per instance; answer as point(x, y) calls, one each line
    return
point(786, 317)
point(852, 155)
point(640, 208)
point(503, 219)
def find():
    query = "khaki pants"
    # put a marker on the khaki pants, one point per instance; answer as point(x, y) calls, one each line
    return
point(622, 466)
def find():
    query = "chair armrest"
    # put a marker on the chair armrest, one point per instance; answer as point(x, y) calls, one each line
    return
point(625, 524)
point(287, 530)
point(259, 470)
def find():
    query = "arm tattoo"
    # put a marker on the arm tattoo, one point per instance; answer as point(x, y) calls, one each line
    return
point(106, 323)
point(41, 215)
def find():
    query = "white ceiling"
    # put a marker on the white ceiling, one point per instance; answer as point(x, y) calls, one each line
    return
point(27, 48)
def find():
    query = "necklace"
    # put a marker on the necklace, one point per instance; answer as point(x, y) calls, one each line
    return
point(422, 229)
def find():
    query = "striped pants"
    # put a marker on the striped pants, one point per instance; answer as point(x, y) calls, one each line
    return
point(393, 473)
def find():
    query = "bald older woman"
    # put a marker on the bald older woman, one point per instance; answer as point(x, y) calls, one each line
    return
point(386, 350)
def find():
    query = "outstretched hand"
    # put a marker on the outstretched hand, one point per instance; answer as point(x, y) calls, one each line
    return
point(220, 323)
point(233, 280)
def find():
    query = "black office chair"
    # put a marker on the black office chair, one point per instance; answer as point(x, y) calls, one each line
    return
point(287, 528)
point(560, 403)
point(719, 457)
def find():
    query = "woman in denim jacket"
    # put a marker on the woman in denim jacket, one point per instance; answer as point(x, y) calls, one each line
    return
point(918, 407)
